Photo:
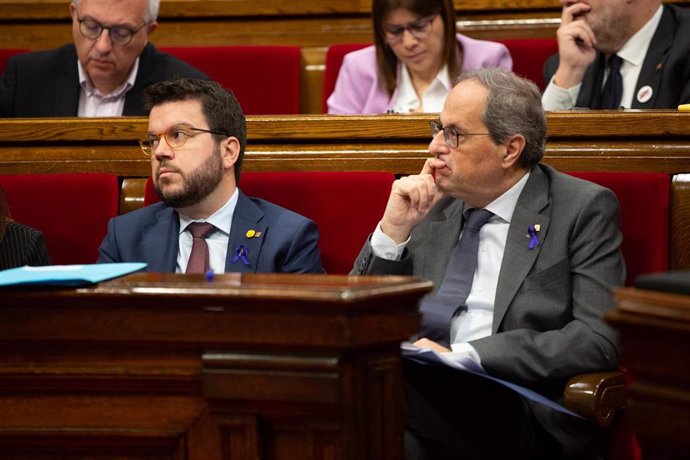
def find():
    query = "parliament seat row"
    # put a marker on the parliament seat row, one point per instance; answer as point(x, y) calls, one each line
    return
point(73, 210)
point(270, 79)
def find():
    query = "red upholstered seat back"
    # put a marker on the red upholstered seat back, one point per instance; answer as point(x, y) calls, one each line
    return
point(6, 54)
point(346, 206)
point(265, 79)
point(529, 56)
point(334, 59)
point(645, 217)
point(72, 210)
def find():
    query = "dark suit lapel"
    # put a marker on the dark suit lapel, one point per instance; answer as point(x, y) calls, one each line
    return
point(133, 99)
point(67, 87)
point(518, 258)
point(247, 235)
point(441, 234)
point(590, 92)
point(160, 242)
point(654, 62)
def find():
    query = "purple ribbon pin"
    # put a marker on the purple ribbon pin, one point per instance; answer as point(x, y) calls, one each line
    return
point(240, 253)
point(533, 240)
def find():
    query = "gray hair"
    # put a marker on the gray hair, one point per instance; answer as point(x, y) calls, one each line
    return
point(513, 106)
point(152, 7)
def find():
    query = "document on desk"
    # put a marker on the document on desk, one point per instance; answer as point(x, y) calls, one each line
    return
point(66, 275)
point(431, 357)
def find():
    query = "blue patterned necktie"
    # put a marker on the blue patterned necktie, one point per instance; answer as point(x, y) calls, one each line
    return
point(439, 310)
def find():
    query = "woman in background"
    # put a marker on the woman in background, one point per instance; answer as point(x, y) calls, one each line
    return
point(416, 56)
point(19, 245)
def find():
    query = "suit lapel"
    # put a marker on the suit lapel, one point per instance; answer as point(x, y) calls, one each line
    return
point(441, 235)
point(518, 258)
point(67, 87)
point(133, 98)
point(160, 243)
point(590, 92)
point(654, 61)
point(247, 235)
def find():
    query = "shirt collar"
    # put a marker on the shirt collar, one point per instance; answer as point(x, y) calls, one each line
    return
point(407, 96)
point(504, 205)
point(221, 219)
point(91, 91)
point(635, 49)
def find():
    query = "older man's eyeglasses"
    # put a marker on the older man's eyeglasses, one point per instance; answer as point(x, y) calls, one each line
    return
point(419, 29)
point(120, 35)
point(451, 134)
point(175, 136)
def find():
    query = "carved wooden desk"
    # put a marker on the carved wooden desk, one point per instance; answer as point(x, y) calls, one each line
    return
point(177, 367)
point(655, 348)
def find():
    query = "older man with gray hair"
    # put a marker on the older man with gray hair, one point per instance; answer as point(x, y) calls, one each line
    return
point(104, 71)
point(523, 257)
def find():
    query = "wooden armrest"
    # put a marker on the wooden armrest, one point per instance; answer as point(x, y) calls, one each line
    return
point(596, 396)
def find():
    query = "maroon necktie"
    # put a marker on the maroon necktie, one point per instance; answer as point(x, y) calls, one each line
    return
point(198, 258)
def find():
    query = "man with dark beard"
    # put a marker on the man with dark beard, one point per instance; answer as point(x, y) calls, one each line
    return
point(196, 140)
point(619, 53)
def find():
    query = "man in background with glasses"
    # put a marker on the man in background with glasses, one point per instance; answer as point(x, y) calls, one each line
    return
point(523, 258)
point(103, 73)
point(196, 140)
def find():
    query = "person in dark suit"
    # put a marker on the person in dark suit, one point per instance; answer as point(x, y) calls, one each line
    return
point(196, 139)
point(531, 312)
point(648, 41)
point(103, 73)
point(19, 245)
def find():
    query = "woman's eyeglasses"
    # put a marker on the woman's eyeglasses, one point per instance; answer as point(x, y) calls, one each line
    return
point(418, 29)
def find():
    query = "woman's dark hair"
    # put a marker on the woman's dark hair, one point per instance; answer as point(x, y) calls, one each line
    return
point(387, 62)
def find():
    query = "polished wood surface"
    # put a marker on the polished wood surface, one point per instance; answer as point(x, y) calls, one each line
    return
point(577, 141)
point(655, 349)
point(175, 366)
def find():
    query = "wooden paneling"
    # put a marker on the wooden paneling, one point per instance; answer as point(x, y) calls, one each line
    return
point(654, 348)
point(164, 366)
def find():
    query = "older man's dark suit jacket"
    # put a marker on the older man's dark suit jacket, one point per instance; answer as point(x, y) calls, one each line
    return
point(287, 241)
point(666, 67)
point(550, 300)
point(46, 83)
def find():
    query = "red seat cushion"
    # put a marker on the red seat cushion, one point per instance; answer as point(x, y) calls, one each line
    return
point(346, 206)
point(72, 210)
point(6, 54)
point(645, 217)
point(265, 79)
point(529, 56)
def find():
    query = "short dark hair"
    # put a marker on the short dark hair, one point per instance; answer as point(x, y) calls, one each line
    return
point(513, 106)
point(220, 107)
point(387, 62)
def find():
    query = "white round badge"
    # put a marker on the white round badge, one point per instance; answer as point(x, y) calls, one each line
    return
point(644, 94)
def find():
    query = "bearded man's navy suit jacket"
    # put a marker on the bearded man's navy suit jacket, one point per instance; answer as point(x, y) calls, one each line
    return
point(288, 242)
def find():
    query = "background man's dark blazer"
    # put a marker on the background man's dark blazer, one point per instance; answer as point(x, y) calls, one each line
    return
point(287, 241)
point(46, 83)
point(22, 245)
point(666, 68)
